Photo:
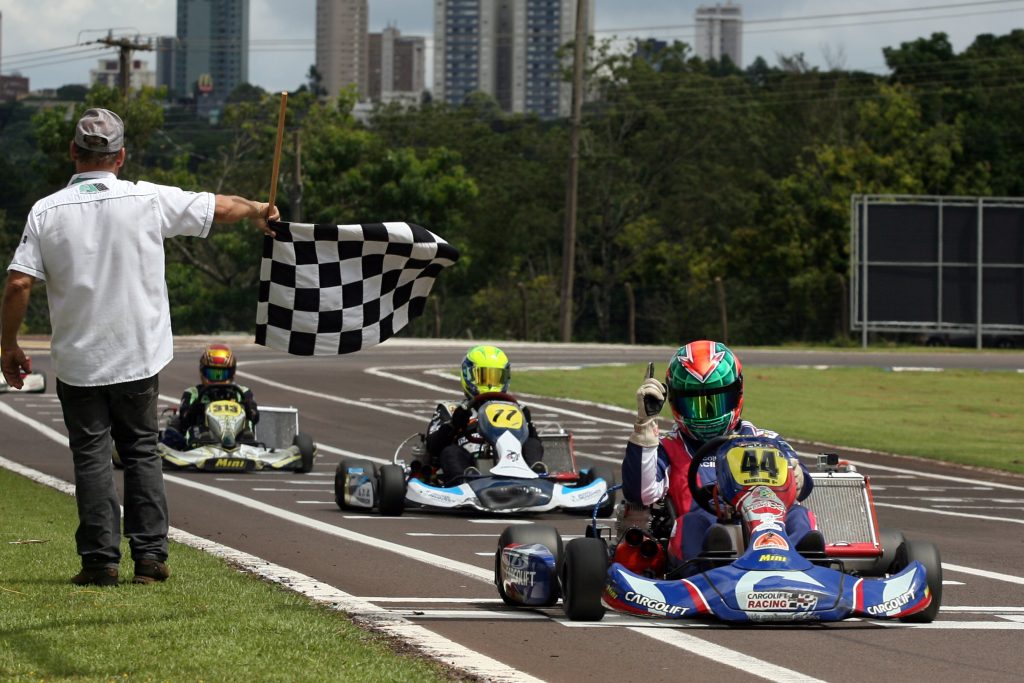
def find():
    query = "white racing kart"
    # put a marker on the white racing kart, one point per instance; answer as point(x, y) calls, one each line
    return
point(35, 383)
point(276, 443)
point(504, 484)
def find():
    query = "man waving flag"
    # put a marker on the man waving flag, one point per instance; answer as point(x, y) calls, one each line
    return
point(332, 289)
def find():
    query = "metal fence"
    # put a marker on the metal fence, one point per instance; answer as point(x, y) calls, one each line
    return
point(937, 265)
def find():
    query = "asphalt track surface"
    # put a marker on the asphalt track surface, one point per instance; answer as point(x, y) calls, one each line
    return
point(428, 575)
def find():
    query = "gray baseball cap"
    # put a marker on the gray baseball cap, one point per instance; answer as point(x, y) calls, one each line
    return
point(100, 130)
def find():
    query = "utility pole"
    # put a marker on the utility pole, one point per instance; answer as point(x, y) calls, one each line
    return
point(125, 47)
point(569, 234)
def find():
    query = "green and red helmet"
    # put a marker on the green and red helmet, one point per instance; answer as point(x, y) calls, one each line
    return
point(705, 389)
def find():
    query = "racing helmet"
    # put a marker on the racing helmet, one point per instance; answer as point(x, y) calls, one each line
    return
point(217, 364)
point(705, 389)
point(485, 369)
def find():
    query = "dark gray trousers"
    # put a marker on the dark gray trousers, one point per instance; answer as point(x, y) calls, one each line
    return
point(127, 413)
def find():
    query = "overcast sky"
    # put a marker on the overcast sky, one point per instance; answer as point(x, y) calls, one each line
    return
point(282, 31)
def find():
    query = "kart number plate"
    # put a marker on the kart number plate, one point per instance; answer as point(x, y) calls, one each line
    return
point(226, 408)
point(504, 415)
point(757, 466)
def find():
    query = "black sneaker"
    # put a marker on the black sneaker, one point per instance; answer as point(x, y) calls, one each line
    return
point(539, 467)
point(96, 576)
point(150, 571)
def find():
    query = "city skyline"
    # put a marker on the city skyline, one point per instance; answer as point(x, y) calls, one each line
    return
point(282, 34)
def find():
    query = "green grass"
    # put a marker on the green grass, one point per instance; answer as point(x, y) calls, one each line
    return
point(969, 417)
point(209, 622)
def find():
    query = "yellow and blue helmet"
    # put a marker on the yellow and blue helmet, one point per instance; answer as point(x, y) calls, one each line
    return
point(485, 369)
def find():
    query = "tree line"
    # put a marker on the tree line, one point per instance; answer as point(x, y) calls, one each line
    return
point(713, 201)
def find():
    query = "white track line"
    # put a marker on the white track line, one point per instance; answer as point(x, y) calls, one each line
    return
point(362, 611)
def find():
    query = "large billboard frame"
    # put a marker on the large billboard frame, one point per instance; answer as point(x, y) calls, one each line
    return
point(861, 265)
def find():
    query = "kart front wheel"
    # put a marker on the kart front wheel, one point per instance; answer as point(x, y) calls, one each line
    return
point(345, 469)
point(391, 487)
point(927, 554)
point(307, 450)
point(529, 534)
point(584, 574)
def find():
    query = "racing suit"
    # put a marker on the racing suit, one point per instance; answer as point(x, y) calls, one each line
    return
point(648, 474)
point(188, 424)
point(449, 445)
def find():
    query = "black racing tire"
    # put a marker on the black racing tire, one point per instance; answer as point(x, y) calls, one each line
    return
point(927, 554)
point(391, 490)
point(341, 481)
point(307, 449)
point(607, 508)
point(528, 534)
point(584, 574)
point(891, 541)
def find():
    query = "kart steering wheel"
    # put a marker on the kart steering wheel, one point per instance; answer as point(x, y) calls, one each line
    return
point(218, 392)
point(703, 495)
point(494, 396)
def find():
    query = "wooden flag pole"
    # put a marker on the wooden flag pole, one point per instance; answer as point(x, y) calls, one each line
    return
point(277, 148)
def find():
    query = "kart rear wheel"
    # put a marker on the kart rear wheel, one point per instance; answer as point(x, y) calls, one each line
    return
point(607, 508)
point(927, 554)
point(391, 488)
point(528, 534)
point(891, 540)
point(584, 574)
point(307, 450)
point(341, 480)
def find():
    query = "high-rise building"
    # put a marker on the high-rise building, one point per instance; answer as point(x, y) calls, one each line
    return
point(213, 50)
point(342, 45)
point(108, 72)
point(396, 66)
point(166, 50)
point(507, 49)
point(720, 32)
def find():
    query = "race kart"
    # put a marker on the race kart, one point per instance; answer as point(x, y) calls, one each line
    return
point(504, 483)
point(764, 578)
point(34, 383)
point(224, 445)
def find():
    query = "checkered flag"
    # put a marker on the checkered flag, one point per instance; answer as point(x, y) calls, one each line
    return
point(331, 289)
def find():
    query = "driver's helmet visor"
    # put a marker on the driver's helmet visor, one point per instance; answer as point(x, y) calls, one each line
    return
point(212, 374)
point(707, 404)
point(491, 379)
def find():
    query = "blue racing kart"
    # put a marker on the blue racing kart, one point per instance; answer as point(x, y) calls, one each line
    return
point(763, 579)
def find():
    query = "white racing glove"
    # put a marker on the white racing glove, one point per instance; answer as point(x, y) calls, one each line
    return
point(798, 475)
point(650, 398)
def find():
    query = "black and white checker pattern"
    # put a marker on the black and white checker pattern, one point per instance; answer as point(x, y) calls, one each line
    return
point(331, 289)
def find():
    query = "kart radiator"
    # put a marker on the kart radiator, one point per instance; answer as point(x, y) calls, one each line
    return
point(558, 453)
point(277, 426)
point(842, 507)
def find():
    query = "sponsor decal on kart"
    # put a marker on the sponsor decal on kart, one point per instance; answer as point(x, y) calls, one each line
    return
point(230, 463)
point(653, 605)
point(771, 558)
point(891, 606)
point(778, 601)
point(770, 540)
point(583, 496)
point(363, 494)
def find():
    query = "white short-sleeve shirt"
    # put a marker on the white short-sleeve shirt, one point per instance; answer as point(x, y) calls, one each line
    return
point(99, 245)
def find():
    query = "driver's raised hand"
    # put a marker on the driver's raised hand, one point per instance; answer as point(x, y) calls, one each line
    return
point(650, 397)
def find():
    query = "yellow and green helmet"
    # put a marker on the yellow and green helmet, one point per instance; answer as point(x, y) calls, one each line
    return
point(485, 369)
point(705, 389)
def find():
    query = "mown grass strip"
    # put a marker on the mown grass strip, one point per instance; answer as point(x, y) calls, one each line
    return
point(962, 416)
point(207, 623)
